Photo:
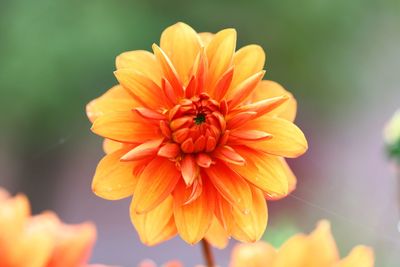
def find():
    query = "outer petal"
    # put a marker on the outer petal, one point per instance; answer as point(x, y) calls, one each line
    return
point(287, 139)
point(115, 99)
point(151, 228)
point(125, 126)
point(264, 171)
point(206, 37)
point(219, 52)
point(249, 227)
point(230, 185)
point(269, 89)
point(193, 219)
point(259, 254)
point(294, 252)
point(217, 235)
point(110, 146)
point(142, 88)
point(360, 256)
point(247, 61)
point(140, 61)
point(156, 182)
point(292, 181)
point(114, 179)
point(181, 44)
point(322, 247)
point(73, 245)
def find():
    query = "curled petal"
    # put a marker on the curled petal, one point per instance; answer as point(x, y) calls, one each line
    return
point(147, 149)
point(189, 169)
point(169, 150)
point(228, 154)
point(245, 89)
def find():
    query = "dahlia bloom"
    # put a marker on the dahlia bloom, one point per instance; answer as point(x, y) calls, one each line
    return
point(41, 240)
point(317, 249)
point(197, 137)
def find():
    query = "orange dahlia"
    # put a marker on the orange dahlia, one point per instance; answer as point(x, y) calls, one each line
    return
point(197, 137)
point(315, 250)
point(41, 240)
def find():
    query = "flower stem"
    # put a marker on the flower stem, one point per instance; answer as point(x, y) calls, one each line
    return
point(207, 253)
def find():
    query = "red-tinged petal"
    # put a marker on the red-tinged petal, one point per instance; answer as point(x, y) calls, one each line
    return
point(169, 70)
point(115, 99)
point(110, 146)
point(141, 61)
point(228, 154)
point(210, 144)
point(125, 126)
point(147, 149)
point(165, 130)
point(169, 150)
point(142, 88)
point(239, 119)
point(189, 169)
point(264, 106)
point(243, 136)
point(149, 114)
point(114, 179)
point(200, 144)
point(264, 171)
point(200, 70)
point(188, 146)
point(359, 256)
point(193, 220)
point(269, 89)
point(181, 44)
point(216, 235)
point(180, 135)
point(155, 183)
point(244, 90)
point(156, 225)
point(180, 122)
point(288, 140)
point(223, 84)
point(191, 89)
point(219, 52)
point(230, 185)
point(259, 254)
point(247, 60)
point(73, 245)
point(251, 225)
point(203, 160)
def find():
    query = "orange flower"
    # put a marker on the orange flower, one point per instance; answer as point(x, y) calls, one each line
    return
point(315, 250)
point(197, 137)
point(41, 240)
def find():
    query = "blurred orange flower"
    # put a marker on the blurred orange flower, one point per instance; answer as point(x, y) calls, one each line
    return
point(41, 240)
point(197, 137)
point(315, 250)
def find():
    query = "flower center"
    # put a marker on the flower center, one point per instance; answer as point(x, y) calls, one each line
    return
point(200, 118)
point(196, 124)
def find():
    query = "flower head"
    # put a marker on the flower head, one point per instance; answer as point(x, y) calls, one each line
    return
point(197, 137)
point(317, 249)
point(392, 136)
point(40, 240)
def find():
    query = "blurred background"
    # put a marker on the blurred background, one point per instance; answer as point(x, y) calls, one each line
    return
point(341, 59)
